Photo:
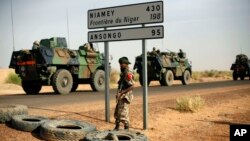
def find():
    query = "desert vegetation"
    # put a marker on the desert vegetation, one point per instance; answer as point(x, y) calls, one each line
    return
point(13, 78)
point(198, 75)
point(190, 104)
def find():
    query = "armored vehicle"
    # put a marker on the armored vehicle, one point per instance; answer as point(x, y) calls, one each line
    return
point(52, 63)
point(165, 67)
point(241, 67)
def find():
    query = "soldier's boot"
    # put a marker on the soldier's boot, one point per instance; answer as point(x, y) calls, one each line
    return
point(126, 126)
point(117, 126)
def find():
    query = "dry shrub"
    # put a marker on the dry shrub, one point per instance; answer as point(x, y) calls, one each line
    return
point(190, 104)
point(114, 76)
point(136, 77)
point(13, 78)
point(198, 75)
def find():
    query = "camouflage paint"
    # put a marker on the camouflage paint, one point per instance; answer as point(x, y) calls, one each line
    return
point(168, 60)
point(51, 54)
point(83, 68)
point(84, 72)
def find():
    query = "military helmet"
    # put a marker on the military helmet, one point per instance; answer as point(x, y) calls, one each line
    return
point(36, 43)
point(124, 60)
point(86, 45)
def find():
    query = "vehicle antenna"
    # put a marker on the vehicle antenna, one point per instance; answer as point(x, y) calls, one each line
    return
point(68, 27)
point(12, 25)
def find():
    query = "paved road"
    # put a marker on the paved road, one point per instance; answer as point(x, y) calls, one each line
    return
point(48, 99)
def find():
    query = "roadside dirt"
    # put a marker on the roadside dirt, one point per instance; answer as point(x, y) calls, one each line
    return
point(224, 106)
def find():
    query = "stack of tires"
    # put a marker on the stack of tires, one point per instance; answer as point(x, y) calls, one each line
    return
point(7, 111)
point(60, 130)
point(115, 136)
point(70, 130)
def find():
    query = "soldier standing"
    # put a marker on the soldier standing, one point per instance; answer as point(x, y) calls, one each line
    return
point(124, 94)
point(89, 47)
point(36, 45)
point(181, 54)
point(154, 52)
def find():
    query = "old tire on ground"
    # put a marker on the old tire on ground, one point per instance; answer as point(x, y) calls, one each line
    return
point(186, 77)
point(98, 80)
point(168, 78)
point(115, 135)
point(27, 123)
point(65, 130)
point(62, 81)
point(7, 111)
point(235, 76)
point(31, 87)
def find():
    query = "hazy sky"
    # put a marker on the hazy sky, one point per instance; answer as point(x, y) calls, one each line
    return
point(211, 32)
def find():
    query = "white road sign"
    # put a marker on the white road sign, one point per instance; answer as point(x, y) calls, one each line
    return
point(142, 13)
point(152, 32)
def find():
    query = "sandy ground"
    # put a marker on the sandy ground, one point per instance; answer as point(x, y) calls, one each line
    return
point(223, 107)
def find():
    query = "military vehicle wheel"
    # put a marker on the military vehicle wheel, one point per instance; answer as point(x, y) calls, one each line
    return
point(62, 81)
point(186, 77)
point(235, 77)
point(141, 80)
point(242, 78)
point(168, 78)
point(74, 86)
point(249, 74)
point(31, 87)
point(98, 80)
point(161, 82)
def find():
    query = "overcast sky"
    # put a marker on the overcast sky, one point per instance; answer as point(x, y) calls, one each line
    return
point(211, 32)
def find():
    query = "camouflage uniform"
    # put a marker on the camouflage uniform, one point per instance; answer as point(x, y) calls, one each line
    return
point(89, 47)
point(154, 52)
point(122, 107)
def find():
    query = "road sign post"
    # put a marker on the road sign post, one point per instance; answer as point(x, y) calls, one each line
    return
point(135, 14)
point(145, 84)
point(107, 103)
point(152, 32)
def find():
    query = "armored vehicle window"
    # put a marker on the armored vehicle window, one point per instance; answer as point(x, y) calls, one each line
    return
point(58, 42)
point(45, 42)
point(61, 42)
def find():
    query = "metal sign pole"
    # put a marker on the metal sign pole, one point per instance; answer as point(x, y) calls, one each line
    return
point(107, 70)
point(145, 84)
point(143, 13)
